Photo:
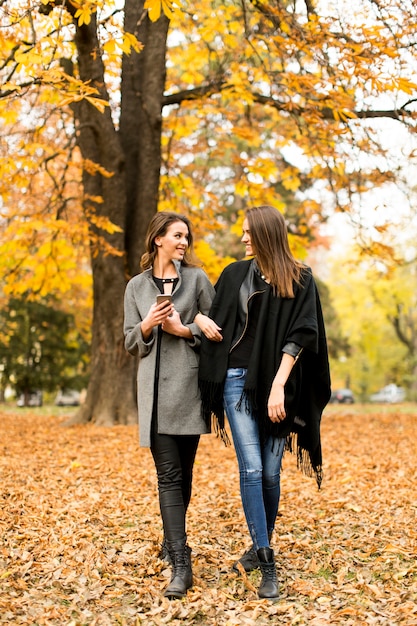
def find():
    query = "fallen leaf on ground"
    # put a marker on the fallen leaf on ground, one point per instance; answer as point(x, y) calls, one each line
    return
point(81, 529)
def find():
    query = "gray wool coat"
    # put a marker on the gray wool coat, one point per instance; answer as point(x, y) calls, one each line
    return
point(179, 404)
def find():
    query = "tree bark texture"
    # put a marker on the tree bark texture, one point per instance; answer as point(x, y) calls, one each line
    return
point(129, 199)
point(143, 83)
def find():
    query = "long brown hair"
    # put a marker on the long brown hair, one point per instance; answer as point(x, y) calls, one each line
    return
point(158, 227)
point(269, 239)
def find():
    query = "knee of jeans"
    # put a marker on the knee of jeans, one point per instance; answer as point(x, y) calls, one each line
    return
point(251, 475)
point(271, 481)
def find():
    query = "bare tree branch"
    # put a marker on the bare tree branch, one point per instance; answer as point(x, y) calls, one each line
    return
point(209, 89)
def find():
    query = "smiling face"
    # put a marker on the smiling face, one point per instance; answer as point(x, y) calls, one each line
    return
point(246, 239)
point(173, 245)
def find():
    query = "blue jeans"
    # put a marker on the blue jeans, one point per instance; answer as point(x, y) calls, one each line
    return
point(259, 465)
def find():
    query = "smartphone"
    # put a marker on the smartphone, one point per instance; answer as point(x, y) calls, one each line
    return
point(163, 297)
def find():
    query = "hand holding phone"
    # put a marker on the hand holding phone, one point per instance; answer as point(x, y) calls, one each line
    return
point(163, 297)
point(166, 300)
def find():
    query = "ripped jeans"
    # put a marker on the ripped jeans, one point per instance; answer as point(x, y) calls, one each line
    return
point(259, 465)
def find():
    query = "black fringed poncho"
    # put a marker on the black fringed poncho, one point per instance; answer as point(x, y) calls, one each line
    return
point(281, 320)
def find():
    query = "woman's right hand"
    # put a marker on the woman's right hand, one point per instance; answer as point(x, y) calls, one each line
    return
point(208, 327)
point(156, 315)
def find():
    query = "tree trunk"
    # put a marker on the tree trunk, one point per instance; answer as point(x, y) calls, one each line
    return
point(143, 83)
point(110, 397)
point(404, 326)
point(128, 198)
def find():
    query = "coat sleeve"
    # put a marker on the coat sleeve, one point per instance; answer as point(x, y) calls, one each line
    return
point(204, 294)
point(134, 342)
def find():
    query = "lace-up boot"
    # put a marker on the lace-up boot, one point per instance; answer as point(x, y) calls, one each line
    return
point(164, 552)
point(249, 561)
point(182, 575)
point(269, 583)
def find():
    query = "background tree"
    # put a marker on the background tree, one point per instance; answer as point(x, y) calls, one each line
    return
point(40, 348)
point(395, 294)
point(376, 305)
point(233, 104)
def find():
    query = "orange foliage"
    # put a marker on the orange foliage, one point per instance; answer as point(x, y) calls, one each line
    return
point(268, 103)
point(81, 529)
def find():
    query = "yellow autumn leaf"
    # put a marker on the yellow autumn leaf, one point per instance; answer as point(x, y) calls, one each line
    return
point(83, 14)
point(95, 199)
point(104, 223)
point(21, 56)
point(285, 27)
point(154, 9)
point(241, 188)
point(129, 42)
point(346, 114)
point(407, 86)
point(98, 103)
point(70, 99)
point(110, 46)
point(168, 6)
point(92, 168)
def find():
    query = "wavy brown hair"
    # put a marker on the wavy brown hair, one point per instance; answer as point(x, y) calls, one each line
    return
point(158, 227)
point(269, 239)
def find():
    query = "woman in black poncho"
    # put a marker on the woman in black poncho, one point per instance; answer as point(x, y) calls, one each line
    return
point(269, 373)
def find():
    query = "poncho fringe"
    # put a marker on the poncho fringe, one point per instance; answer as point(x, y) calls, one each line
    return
point(212, 396)
point(304, 461)
point(281, 320)
point(305, 458)
point(215, 418)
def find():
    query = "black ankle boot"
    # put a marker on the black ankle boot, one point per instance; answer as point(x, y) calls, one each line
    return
point(164, 553)
point(249, 559)
point(182, 575)
point(269, 583)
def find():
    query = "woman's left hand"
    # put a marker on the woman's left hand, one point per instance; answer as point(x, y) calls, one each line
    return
point(172, 323)
point(208, 327)
point(174, 326)
point(276, 408)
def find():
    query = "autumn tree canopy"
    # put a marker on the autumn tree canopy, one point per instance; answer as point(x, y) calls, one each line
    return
point(109, 112)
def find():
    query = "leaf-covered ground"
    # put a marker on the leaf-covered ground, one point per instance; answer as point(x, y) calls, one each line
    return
point(80, 529)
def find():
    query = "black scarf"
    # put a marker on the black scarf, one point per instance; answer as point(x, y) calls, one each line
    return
point(281, 320)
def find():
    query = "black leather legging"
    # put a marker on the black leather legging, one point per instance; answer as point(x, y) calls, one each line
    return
point(174, 460)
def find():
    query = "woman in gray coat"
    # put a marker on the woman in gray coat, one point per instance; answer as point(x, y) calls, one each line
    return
point(163, 334)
